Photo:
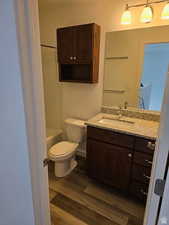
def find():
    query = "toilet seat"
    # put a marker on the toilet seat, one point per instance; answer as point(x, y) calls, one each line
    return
point(62, 149)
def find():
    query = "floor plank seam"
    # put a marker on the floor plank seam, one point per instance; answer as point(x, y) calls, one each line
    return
point(90, 203)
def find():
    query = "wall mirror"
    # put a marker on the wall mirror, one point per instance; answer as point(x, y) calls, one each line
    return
point(136, 65)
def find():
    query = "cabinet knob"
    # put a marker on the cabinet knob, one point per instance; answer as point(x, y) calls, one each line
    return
point(143, 192)
point(71, 57)
point(147, 177)
point(148, 161)
point(129, 155)
point(150, 145)
point(74, 57)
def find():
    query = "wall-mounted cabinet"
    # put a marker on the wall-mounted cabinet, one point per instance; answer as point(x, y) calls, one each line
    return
point(78, 53)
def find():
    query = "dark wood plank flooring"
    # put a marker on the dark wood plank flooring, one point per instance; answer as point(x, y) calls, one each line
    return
point(78, 200)
point(80, 211)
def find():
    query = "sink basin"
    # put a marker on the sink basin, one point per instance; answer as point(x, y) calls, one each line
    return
point(115, 121)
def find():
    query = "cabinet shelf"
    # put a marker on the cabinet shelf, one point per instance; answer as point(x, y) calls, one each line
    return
point(75, 73)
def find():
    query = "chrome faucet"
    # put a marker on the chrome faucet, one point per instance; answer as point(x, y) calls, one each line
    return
point(125, 105)
point(120, 112)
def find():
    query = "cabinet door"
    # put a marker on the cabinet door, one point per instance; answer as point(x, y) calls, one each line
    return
point(84, 39)
point(118, 166)
point(66, 45)
point(139, 190)
point(109, 163)
point(96, 159)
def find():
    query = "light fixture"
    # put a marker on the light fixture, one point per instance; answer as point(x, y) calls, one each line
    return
point(126, 17)
point(165, 12)
point(147, 14)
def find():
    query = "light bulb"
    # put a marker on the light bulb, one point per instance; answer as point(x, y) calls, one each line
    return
point(146, 15)
point(165, 12)
point(126, 17)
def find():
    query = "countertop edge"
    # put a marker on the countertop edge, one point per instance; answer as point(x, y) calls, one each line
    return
point(96, 125)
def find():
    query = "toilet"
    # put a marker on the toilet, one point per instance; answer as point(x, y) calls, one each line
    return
point(63, 153)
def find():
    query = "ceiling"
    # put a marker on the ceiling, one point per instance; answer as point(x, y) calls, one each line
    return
point(45, 2)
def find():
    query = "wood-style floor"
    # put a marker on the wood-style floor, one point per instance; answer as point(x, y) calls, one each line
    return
point(78, 200)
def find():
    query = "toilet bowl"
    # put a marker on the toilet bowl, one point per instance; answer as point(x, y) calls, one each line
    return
point(63, 156)
point(63, 153)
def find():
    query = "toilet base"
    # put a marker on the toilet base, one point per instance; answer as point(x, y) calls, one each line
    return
point(63, 168)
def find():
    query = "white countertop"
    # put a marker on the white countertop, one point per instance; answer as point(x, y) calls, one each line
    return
point(138, 127)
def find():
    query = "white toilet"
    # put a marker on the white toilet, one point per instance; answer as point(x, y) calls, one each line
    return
point(63, 153)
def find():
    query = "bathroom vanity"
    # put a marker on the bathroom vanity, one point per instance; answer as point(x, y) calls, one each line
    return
point(120, 153)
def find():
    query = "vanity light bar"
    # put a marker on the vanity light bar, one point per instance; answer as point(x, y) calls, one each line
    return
point(145, 4)
point(147, 13)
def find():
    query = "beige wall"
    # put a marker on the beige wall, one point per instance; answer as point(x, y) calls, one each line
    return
point(78, 100)
point(82, 100)
point(52, 88)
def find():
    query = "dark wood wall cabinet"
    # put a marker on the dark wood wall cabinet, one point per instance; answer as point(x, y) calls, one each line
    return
point(120, 160)
point(78, 53)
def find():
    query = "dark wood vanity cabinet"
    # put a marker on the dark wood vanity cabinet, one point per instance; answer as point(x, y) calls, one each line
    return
point(109, 157)
point(110, 164)
point(119, 160)
point(78, 53)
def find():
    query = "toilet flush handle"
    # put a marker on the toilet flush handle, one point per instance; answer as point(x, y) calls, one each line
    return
point(46, 162)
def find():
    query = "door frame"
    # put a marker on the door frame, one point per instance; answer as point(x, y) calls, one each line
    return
point(163, 217)
point(159, 161)
point(27, 23)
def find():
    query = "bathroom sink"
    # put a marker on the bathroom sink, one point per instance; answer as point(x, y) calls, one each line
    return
point(117, 121)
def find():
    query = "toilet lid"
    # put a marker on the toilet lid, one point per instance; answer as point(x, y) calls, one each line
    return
point(62, 148)
point(76, 122)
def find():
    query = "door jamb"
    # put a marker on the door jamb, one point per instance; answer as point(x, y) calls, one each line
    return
point(160, 159)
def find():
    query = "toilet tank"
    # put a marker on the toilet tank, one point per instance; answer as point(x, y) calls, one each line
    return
point(75, 130)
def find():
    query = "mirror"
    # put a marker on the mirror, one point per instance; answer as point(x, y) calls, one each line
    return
point(136, 65)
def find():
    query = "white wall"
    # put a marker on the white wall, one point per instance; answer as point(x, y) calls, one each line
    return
point(84, 100)
point(16, 206)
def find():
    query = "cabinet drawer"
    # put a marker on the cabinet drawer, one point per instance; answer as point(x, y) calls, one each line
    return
point(141, 173)
point(139, 190)
point(110, 137)
point(143, 159)
point(142, 145)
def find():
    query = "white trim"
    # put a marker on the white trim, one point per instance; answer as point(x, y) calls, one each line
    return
point(164, 215)
point(160, 160)
point(29, 45)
